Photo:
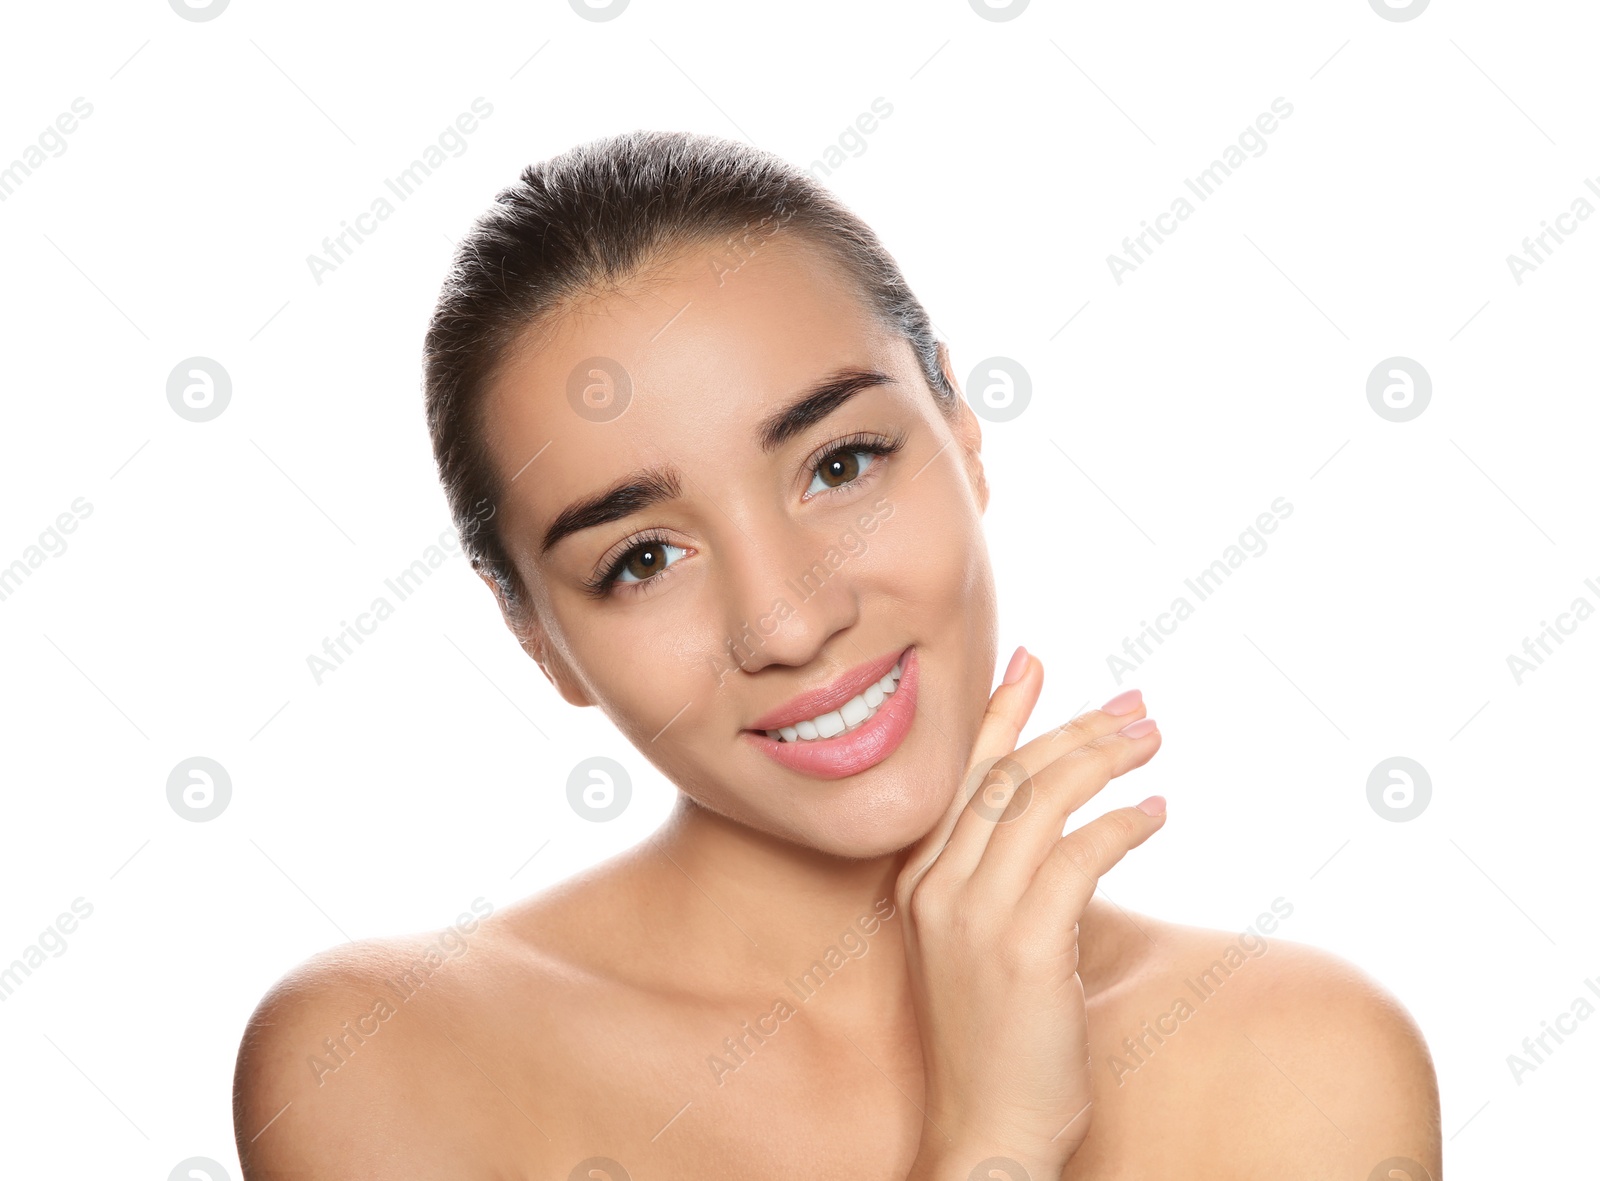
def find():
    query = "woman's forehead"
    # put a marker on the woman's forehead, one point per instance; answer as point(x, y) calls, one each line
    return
point(689, 348)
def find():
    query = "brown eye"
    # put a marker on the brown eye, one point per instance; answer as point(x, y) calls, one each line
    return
point(850, 461)
point(840, 468)
point(637, 565)
point(645, 561)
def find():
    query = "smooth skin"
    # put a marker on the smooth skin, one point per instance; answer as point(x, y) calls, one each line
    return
point(987, 989)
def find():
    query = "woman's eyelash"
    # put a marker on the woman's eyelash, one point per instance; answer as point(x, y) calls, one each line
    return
point(869, 443)
point(875, 443)
point(872, 444)
point(600, 585)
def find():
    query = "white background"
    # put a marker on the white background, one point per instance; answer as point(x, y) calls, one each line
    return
point(1226, 371)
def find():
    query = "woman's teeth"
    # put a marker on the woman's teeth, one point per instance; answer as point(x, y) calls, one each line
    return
point(847, 717)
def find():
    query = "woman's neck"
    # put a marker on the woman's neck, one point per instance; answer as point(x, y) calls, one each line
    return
point(747, 905)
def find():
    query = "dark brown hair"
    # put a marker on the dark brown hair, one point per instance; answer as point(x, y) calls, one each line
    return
point(588, 221)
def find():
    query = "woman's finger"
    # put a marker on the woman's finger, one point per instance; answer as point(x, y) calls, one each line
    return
point(997, 788)
point(1073, 868)
point(1008, 710)
point(1041, 806)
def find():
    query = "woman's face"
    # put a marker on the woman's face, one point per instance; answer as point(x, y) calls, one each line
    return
point(718, 534)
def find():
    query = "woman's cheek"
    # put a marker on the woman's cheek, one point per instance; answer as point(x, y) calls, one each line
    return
point(927, 547)
point(650, 660)
point(929, 563)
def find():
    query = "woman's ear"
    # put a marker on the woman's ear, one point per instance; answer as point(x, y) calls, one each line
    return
point(969, 434)
point(535, 641)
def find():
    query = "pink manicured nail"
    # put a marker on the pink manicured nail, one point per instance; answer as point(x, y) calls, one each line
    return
point(1138, 729)
point(1019, 661)
point(1123, 703)
point(1154, 806)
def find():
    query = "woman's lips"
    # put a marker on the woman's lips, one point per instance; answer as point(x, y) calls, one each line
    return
point(815, 702)
point(856, 750)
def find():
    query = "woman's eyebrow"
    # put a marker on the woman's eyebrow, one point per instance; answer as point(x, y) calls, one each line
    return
point(642, 489)
point(632, 494)
point(816, 403)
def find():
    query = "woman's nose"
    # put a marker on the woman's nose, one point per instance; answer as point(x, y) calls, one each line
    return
point(786, 592)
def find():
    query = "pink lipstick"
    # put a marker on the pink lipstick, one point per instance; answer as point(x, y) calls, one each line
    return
point(846, 726)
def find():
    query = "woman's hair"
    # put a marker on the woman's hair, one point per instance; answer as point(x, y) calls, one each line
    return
point(588, 221)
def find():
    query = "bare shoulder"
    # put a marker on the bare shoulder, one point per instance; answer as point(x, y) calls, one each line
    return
point(360, 1061)
point(1282, 1050)
point(452, 1053)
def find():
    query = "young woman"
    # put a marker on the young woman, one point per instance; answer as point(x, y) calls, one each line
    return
point(703, 446)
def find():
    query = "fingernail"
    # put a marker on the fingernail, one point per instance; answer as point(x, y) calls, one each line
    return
point(1019, 661)
point(1154, 806)
point(1123, 703)
point(1138, 729)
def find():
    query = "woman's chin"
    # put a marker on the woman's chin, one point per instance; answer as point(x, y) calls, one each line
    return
point(876, 813)
point(874, 826)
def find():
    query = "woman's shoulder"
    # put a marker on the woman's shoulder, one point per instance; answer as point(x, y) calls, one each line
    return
point(1292, 1043)
point(376, 1050)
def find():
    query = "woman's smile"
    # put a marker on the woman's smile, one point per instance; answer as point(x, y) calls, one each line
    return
point(848, 725)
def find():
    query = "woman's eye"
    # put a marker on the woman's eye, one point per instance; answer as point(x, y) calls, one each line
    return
point(838, 469)
point(647, 560)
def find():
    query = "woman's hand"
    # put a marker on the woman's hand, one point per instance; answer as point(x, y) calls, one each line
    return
point(991, 899)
